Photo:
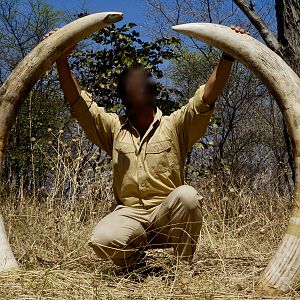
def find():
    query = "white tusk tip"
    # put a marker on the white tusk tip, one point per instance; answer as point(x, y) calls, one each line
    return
point(113, 17)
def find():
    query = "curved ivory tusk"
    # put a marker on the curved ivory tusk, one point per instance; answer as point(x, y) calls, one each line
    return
point(17, 86)
point(283, 271)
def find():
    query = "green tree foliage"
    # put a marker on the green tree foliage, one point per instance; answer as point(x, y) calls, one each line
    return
point(106, 53)
point(23, 24)
point(115, 48)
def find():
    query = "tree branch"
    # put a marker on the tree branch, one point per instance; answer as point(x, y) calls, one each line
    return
point(263, 29)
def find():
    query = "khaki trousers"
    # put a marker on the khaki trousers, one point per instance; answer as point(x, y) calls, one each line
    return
point(125, 233)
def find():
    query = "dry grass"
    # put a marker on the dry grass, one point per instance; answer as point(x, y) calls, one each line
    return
point(49, 239)
point(49, 231)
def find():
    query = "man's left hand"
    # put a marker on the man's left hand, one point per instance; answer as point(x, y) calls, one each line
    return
point(238, 29)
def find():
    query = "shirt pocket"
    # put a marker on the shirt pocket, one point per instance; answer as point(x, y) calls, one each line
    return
point(126, 157)
point(158, 156)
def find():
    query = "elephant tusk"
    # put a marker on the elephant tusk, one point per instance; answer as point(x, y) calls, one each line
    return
point(283, 271)
point(22, 79)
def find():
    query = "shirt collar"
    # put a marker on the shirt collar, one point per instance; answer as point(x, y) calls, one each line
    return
point(157, 117)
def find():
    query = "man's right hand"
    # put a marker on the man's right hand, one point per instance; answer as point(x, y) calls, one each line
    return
point(65, 55)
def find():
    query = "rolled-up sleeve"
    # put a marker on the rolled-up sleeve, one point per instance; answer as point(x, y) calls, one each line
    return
point(97, 124)
point(192, 120)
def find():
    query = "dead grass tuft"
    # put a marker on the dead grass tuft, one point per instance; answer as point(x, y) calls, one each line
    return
point(50, 238)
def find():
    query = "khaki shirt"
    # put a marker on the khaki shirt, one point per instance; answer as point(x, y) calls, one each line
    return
point(147, 169)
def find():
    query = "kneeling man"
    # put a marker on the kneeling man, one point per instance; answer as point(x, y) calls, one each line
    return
point(148, 150)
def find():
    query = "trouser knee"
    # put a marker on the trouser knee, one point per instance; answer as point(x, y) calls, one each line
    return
point(117, 238)
point(103, 246)
point(188, 197)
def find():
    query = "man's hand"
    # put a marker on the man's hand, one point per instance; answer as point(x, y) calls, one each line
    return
point(65, 55)
point(238, 29)
point(220, 75)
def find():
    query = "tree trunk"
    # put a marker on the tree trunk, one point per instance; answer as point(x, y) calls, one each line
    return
point(288, 26)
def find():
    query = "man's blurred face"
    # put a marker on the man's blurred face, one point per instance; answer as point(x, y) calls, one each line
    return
point(136, 87)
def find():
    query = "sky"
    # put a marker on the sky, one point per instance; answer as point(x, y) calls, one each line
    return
point(133, 10)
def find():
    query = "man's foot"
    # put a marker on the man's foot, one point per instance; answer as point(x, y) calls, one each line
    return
point(155, 271)
point(134, 268)
point(138, 265)
point(141, 270)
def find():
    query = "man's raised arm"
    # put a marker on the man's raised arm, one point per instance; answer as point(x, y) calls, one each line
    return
point(68, 83)
point(217, 80)
point(192, 119)
point(97, 124)
point(219, 76)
